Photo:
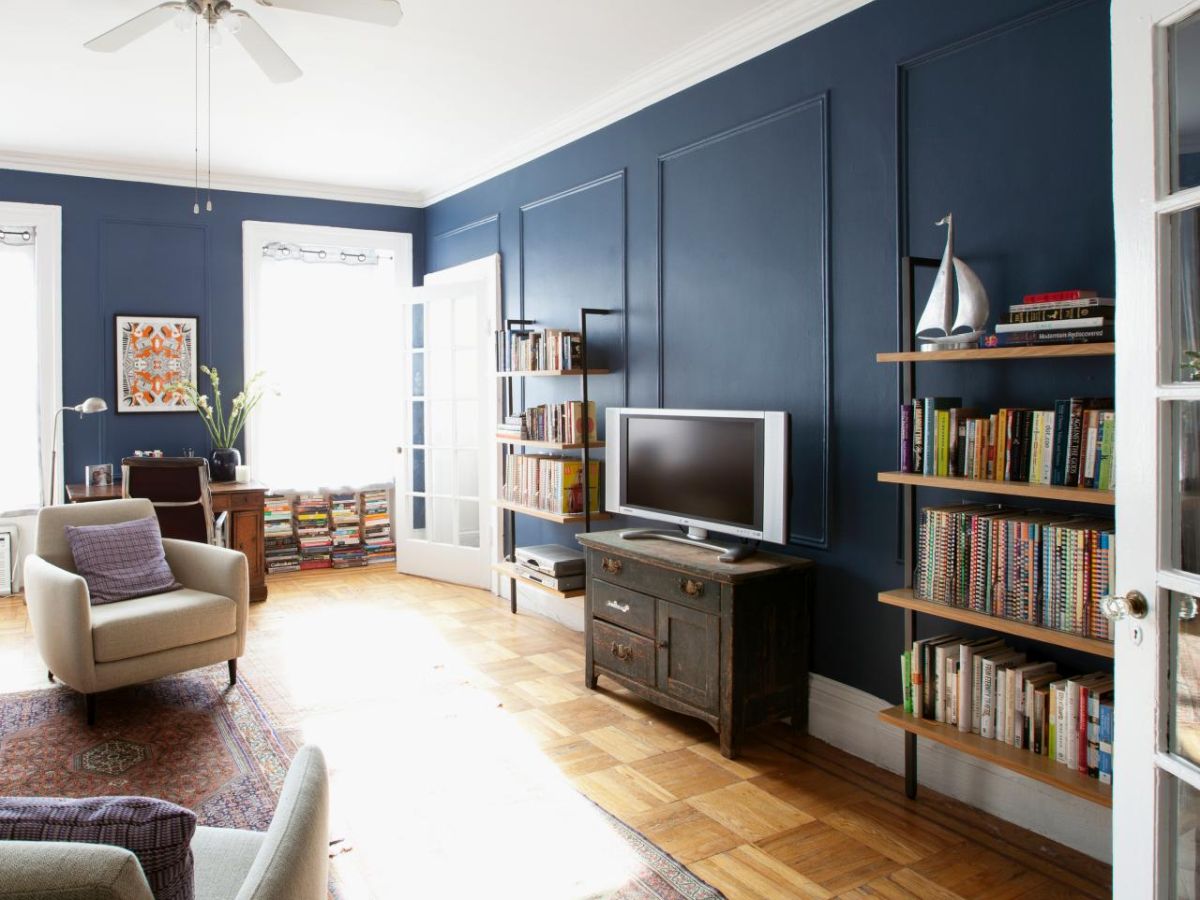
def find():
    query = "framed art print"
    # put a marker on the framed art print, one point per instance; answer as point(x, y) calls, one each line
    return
point(155, 355)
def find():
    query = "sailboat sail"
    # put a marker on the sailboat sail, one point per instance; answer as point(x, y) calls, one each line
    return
point(972, 300)
point(936, 319)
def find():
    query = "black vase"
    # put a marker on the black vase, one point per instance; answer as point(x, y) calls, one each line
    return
point(223, 463)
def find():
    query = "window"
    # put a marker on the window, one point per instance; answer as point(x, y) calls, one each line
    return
point(29, 355)
point(322, 320)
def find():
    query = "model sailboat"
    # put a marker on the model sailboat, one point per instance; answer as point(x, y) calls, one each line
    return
point(942, 325)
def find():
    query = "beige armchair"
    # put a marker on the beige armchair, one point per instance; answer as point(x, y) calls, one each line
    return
point(290, 861)
point(98, 648)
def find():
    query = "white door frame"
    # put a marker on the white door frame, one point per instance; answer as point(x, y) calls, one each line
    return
point(1143, 767)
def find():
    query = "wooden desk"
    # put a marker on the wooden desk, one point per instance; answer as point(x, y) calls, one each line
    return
point(244, 502)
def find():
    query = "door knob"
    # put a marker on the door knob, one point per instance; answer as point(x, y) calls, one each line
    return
point(1133, 605)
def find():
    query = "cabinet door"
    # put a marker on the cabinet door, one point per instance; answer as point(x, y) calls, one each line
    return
point(689, 655)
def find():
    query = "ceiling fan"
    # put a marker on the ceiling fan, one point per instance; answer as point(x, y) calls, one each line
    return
point(254, 39)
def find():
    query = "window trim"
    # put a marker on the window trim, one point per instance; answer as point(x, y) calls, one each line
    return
point(47, 220)
point(256, 234)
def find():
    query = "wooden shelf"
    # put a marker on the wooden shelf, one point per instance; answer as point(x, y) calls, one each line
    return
point(904, 597)
point(1040, 768)
point(510, 571)
point(1045, 351)
point(547, 445)
point(544, 373)
point(560, 518)
point(1008, 488)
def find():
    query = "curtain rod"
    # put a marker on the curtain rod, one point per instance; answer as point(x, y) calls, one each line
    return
point(17, 235)
point(352, 256)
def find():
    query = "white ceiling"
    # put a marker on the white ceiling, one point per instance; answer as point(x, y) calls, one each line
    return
point(460, 90)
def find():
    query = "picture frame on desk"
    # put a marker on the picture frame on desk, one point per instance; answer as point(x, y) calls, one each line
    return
point(100, 475)
point(153, 354)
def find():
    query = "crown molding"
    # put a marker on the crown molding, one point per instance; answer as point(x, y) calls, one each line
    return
point(755, 32)
point(122, 171)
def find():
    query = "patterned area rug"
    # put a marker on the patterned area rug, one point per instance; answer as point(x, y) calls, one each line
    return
point(194, 740)
point(190, 739)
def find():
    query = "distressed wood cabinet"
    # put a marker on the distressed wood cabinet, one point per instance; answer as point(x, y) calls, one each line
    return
point(727, 643)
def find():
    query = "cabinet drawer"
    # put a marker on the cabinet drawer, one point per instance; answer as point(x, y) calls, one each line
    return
point(623, 607)
point(623, 651)
point(690, 590)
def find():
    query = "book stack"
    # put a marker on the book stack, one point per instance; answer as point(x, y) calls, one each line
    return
point(1071, 444)
point(378, 546)
point(1047, 569)
point(982, 686)
point(550, 483)
point(346, 535)
point(279, 540)
point(1060, 317)
point(312, 531)
point(512, 427)
point(523, 350)
point(559, 422)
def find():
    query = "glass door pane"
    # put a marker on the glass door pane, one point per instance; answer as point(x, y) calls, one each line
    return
point(1184, 50)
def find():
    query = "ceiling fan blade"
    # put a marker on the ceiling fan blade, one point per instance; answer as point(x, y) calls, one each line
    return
point(262, 48)
point(128, 32)
point(377, 12)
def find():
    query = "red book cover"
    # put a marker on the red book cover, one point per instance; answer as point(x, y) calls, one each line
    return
point(1053, 296)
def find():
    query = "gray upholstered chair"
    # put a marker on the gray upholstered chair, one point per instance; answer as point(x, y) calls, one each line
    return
point(289, 861)
point(98, 648)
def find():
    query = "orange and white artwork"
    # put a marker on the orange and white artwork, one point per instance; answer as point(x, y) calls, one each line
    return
point(155, 356)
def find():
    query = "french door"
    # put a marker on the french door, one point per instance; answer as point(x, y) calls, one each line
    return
point(445, 482)
point(1156, 179)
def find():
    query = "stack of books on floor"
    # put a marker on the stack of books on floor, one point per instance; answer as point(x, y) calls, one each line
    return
point(550, 483)
point(1071, 444)
point(282, 551)
point(559, 422)
point(378, 546)
point(982, 686)
point(312, 530)
point(1043, 568)
point(524, 350)
point(1059, 317)
point(346, 535)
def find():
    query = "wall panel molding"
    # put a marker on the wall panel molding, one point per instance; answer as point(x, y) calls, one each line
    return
point(618, 176)
point(820, 537)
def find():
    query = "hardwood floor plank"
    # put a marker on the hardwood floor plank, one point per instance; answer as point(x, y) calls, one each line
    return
point(748, 872)
point(825, 855)
point(684, 831)
point(749, 811)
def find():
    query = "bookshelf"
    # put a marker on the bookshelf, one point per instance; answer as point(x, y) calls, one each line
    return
point(1040, 768)
point(984, 354)
point(1006, 488)
point(506, 444)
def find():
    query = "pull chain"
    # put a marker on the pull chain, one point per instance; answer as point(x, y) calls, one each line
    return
point(208, 202)
point(196, 111)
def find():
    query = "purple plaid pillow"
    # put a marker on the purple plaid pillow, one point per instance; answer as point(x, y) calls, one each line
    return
point(121, 561)
point(157, 832)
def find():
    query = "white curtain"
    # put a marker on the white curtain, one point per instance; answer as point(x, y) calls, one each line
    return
point(326, 336)
point(21, 485)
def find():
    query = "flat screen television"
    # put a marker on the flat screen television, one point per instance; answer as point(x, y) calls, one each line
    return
point(723, 471)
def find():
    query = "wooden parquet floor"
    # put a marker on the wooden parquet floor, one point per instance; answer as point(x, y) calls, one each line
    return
point(460, 736)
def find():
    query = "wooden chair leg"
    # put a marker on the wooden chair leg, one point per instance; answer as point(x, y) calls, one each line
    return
point(233, 671)
point(90, 703)
point(50, 675)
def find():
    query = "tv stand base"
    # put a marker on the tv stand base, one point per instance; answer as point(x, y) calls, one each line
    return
point(728, 552)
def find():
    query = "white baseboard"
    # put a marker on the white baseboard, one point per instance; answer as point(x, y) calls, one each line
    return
point(846, 718)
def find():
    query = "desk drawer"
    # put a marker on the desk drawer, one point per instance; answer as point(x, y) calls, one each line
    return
point(623, 607)
point(690, 590)
point(623, 651)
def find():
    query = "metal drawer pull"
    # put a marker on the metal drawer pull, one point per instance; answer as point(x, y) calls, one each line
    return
point(622, 651)
point(691, 588)
point(611, 565)
point(619, 607)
